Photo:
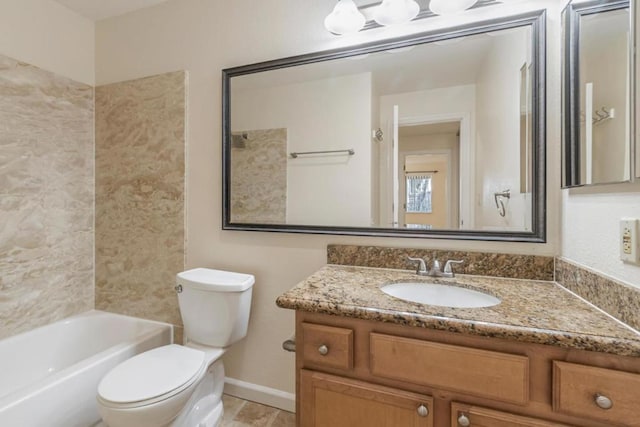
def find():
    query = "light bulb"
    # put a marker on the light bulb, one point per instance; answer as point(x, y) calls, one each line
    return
point(392, 12)
point(345, 18)
point(450, 7)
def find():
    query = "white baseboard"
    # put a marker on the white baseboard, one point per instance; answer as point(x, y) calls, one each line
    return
point(260, 394)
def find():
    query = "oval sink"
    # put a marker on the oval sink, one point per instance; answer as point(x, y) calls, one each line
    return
point(440, 295)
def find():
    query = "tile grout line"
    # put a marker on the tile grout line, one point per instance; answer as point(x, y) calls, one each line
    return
point(273, 419)
point(230, 416)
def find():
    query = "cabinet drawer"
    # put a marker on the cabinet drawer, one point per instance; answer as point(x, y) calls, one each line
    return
point(327, 346)
point(489, 374)
point(576, 388)
point(463, 415)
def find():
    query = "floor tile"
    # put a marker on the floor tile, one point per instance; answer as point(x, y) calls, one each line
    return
point(243, 413)
point(256, 415)
point(232, 406)
point(284, 419)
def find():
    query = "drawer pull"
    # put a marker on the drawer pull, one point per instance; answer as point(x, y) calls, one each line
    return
point(423, 411)
point(323, 350)
point(463, 421)
point(603, 401)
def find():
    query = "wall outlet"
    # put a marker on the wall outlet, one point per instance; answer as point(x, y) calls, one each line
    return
point(629, 245)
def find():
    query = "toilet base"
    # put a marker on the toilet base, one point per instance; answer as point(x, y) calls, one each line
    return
point(202, 409)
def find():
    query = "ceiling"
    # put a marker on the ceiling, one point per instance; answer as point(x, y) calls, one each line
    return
point(424, 67)
point(102, 9)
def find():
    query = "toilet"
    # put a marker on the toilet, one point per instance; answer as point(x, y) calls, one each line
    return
point(177, 385)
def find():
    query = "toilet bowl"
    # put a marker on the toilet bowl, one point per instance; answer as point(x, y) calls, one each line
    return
point(178, 385)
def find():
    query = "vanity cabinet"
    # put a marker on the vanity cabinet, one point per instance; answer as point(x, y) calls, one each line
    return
point(353, 372)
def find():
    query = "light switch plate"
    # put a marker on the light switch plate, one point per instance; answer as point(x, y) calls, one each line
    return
point(629, 247)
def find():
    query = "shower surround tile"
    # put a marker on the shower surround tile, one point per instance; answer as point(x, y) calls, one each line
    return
point(140, 195)
point(46, 197)
point(259, 176)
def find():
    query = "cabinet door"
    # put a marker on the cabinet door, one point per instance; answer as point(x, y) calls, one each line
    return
point(473, 416)
point(331, 401)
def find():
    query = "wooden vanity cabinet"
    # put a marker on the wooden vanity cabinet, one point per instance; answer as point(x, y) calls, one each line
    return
point(359, 373)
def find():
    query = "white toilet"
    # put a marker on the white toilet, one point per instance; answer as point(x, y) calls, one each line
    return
point(179, 385)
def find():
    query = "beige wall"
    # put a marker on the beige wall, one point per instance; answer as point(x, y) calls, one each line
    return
point(204, 37)
point(50, 36)
point(591, 228)
point(46, 197)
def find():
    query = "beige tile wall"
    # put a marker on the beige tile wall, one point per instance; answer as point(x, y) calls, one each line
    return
point(46, 197)
point(259, 176)
point(140, 195)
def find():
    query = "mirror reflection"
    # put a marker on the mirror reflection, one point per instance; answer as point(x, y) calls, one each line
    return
point(636, 31)
point(432, 136)
point(600, 64)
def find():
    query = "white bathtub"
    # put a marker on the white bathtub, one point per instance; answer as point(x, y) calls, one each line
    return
point(49, 376)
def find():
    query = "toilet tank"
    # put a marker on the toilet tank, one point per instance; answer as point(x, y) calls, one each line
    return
point(214, 305)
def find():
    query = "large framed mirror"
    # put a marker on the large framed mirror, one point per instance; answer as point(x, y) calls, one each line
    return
point(439, 135)
point(597, 137)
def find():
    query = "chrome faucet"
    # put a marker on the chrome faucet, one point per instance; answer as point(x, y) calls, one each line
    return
point(435, 270)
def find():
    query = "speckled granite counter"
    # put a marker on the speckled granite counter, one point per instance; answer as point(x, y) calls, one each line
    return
point(531, 311)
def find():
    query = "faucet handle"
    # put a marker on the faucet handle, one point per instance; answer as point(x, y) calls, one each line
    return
point(447, 266)
point(422, 266)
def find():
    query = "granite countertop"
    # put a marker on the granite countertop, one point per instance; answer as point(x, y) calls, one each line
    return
point(531, 311)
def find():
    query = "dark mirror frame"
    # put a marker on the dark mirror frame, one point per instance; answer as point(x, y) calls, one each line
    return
point(536, 20)
point(571, 173)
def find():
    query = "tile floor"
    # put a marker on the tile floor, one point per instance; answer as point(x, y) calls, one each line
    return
point(242, 413)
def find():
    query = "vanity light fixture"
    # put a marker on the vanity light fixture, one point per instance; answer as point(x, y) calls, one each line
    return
point(394, 12)
point(345, 18)
point(348, 18)
point(450, 7)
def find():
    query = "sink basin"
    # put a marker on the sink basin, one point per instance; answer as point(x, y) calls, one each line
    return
point(440, 295)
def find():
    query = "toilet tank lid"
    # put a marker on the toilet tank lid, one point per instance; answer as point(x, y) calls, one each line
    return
point(207, 279)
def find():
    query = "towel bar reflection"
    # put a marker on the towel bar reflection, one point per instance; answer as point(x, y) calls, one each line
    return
point(295, 155)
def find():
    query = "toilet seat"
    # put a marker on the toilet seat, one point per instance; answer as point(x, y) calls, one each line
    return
point(152, 377)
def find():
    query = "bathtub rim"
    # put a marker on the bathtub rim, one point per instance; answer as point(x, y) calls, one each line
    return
point(22, 394)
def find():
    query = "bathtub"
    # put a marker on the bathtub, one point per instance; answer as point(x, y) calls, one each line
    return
point(49, 376)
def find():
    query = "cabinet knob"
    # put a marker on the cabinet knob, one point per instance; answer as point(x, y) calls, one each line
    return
point(423, 411)
point(323, 350)
point(463, 421)
point(603, 401)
